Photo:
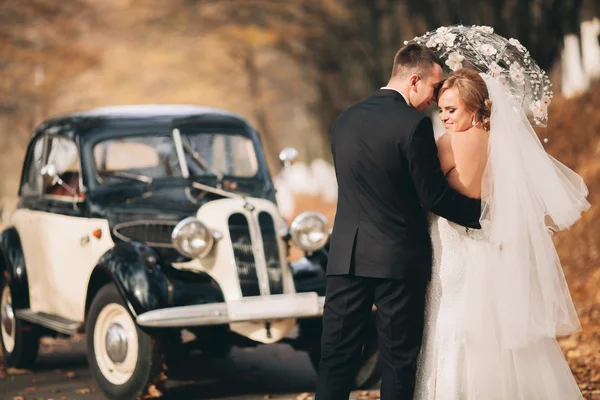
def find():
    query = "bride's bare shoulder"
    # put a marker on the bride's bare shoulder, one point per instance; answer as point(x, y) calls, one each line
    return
point(479, 131)
point(476, 132)
point(444, 140)
point(470, 137)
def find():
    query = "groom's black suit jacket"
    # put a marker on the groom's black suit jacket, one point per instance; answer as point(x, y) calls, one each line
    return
point(389, 178)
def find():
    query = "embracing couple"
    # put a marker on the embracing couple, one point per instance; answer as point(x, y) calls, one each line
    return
point(450, 240)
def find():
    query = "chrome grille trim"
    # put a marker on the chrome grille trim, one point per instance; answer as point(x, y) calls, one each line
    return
point(151, 232)
point(259, 256)
point(265, 247)
point(243, 253)
point(271, 251)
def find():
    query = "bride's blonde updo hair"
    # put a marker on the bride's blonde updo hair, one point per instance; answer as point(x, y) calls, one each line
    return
point(473, 92)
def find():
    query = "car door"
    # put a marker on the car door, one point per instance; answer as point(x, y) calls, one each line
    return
point(61, 244)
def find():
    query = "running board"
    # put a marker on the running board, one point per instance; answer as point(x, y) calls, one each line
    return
point(53, 322)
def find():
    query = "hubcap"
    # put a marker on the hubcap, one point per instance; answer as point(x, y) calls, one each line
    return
point(115, 344)
point(7, 320)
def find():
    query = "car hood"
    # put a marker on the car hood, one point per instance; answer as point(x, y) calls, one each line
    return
point(159, 204)
point(166, 204)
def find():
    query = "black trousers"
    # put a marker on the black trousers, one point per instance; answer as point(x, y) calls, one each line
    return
point(400, 317)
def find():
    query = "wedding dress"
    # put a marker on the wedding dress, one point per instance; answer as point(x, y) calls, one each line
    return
point(498, 298)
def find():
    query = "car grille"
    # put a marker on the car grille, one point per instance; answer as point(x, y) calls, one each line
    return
point(152, 233)
point(247, 261)
point(271, 248)
point(239, 230)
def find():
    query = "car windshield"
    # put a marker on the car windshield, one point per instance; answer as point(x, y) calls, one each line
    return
point(155, 157)
point(214, 153)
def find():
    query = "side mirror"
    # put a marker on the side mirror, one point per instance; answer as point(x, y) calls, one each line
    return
point(50, 173)
point(288, 156)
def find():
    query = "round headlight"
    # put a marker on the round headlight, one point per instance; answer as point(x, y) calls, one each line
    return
point(192, 238)
point(309, 231)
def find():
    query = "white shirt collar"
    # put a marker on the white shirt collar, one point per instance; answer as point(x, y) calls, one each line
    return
point(396, 90)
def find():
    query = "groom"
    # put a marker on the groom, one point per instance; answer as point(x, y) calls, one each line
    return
point(389, 178)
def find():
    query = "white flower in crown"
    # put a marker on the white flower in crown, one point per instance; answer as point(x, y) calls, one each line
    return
point(517, 44)
point(454, 61)
point(516, 74)
point(495, 70)
point(439, 38)
point(449, 39)
point(488, 50)
point(485, 29)
point(546, 100)
point(539, 109)
point(442, 36)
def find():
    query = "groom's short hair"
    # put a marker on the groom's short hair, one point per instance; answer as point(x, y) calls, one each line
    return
point(416, 59)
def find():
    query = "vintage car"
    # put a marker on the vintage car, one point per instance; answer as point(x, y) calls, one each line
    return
point(135, 223)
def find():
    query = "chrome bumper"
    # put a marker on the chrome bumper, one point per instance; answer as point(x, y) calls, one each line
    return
point(256, 308)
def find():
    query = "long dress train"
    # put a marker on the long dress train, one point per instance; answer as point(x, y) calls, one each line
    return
point(454, 365)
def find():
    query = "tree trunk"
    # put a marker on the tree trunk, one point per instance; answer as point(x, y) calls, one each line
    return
point(574, 80)
point(590, 43)
point(260, 115)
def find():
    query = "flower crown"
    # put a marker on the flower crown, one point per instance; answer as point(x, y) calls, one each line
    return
point(506, 60)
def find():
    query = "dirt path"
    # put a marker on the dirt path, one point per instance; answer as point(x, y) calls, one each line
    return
point(267, 372)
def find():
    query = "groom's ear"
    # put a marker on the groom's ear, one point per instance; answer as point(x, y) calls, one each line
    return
point(413, 81)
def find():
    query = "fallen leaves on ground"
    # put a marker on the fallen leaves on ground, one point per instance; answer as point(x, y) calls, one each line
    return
point(368, 395)
point(575, 141)
point(582, 352)
point(152, 392)
point(17, 371)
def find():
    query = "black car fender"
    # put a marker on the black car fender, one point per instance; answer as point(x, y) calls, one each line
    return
point(147, 282)
point(309, 272)
point(12, 267)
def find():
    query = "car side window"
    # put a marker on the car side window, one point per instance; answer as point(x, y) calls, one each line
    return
point(64, 155)
point(33, 184)
point(229, 154)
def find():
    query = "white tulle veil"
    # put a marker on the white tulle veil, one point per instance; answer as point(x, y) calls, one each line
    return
point(516, 299)
point(528, 193)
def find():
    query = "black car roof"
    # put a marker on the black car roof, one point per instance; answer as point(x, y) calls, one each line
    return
point(153, 111)
point(78, 123)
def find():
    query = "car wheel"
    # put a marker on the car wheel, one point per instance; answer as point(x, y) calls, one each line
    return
point(123, 359)
point(368, 373)
point(20, 340)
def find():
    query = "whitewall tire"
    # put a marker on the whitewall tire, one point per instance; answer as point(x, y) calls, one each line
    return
point(19, 340)
point(123, 359)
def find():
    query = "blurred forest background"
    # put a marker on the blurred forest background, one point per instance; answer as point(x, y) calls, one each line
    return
point(291, 67)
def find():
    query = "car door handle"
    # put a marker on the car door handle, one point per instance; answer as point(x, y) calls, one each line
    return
point(85, 239)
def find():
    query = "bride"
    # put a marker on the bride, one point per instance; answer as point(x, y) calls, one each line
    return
point(498, 297)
